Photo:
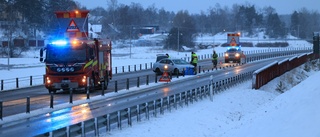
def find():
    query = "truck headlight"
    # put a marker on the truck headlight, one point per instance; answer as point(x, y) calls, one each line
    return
point(226, 54)
point(237, 55)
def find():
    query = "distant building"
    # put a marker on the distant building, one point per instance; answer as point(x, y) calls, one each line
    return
point(148, 29)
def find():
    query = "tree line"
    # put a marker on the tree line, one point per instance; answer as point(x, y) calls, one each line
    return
point(121, 21)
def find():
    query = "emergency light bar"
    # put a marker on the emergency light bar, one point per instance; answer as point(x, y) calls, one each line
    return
point(65, 42)
point(59, 42)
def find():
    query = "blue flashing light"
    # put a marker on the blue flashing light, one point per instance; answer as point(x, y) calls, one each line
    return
point(59, 43)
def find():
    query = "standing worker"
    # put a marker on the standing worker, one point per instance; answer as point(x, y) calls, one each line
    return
point(194, 61)
point(168, 55)
point(215, 59)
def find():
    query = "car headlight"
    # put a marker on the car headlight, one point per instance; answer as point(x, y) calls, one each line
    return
point(165, 67)
point(58, 69)
point(63, 69)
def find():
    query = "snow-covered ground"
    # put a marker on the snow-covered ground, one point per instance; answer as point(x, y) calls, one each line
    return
point(239, 111)
point(242, 112)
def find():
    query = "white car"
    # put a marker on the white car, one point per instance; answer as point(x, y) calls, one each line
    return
point(175, 66)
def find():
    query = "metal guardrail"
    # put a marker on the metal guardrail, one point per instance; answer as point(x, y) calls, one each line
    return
point(20, 82)
point(148, 109)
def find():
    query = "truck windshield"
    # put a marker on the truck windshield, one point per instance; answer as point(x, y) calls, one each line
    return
point(233, 49)
point(57, 55)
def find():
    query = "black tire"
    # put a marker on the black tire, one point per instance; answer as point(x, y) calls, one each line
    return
point(176, 71)
point(158, 72)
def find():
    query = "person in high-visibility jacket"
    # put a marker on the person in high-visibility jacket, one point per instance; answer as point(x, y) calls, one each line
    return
point(194, 61)
point(215, 59)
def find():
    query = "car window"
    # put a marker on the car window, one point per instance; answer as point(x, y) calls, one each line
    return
point(164, 61)
point(180, 61)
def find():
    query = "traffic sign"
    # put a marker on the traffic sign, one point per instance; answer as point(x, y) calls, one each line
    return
point(72, 27)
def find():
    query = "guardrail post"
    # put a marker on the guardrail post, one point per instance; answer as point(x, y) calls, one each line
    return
point(102, 86)
point(161, 106)
point(116, 86)
point(108, 123)
point(154, 108)
point(28, 105)
point(116, 70)
point(51, 100)
point(211, 91)
point(128, 68)
point(168, 103)
point(175, 101)
point(96, 127)
point(70, 96)
point(138, 113)
point(140, 66)
point(180, 100)
point(127, 83)
point(83, 130)
point(186, 97)
point(122, 69)
point(156, 79)
point(30, 80)
point(150, 64)
point(146, 66)
point(129, 117)
point(147, 110)
point(135, 68)
point(17, 82)
point(1, 109)
point(67, 131)
point(119, 119)
point(138, 82)
point(147, 81)
point(1, 84)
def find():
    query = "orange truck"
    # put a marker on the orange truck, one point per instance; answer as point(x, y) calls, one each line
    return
point(72, 59)
point(233, 52)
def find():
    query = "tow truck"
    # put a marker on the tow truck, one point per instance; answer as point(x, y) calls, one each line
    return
point(233, 52)
point(73, 60)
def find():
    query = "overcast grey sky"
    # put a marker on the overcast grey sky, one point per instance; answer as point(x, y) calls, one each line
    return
point(195, 6)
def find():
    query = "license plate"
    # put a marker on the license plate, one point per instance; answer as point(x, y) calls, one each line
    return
point(65, 81)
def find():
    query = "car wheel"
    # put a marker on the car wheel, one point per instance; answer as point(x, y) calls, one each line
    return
point(176, 71)
point(158, 72)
